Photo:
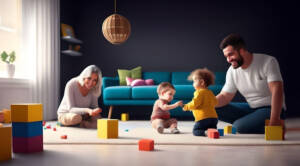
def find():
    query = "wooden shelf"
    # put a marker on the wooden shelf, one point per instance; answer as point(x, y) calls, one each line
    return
point(72, 53)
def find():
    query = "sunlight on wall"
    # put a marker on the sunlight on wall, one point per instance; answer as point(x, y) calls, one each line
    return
point(10, 37)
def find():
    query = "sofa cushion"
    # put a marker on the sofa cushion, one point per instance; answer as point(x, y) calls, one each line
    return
point(181, 78)
point(158, 77)
point(216, 89)
point(184, 92)
point(117, 92)
point(133, 73)
point(144, 92)
point(220, 78)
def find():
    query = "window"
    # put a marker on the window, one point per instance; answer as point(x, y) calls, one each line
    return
point(10, 36)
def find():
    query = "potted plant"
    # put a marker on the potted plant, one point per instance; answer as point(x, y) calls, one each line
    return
point(9, 59)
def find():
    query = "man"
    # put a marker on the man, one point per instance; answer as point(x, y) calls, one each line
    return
point(257, 77)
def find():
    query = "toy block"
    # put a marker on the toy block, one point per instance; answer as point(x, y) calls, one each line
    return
point(213, 133)
point(146, 145)
point(31, 129)
point(233, 130)
point(54, 129)
point(63, 137)
point(26, 112)
point(267, 121)
point(1, 125)
point(44, 123)
point(124, 116)
point(5, 143)
point(28, 145)
point(221, 132)
point(7, 115)
point(227, 129)
point(273, 133)
point(107, 128)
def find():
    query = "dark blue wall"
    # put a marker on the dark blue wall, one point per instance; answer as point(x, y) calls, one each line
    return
point(179, 35)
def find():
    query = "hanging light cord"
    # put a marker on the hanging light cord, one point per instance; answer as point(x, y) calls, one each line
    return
point(115, 6)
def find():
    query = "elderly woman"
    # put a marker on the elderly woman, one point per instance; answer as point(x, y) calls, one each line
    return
point(80, 101)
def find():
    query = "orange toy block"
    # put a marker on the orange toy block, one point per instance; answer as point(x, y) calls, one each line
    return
point(146, 145)
point(213, 133)
point(7, 115)
point(267, 121)
point(5, 143)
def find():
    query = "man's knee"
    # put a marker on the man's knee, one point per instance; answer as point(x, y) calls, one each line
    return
point(246, 128)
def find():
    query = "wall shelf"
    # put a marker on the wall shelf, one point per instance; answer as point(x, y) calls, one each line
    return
point(72, 40)
point(71, 53)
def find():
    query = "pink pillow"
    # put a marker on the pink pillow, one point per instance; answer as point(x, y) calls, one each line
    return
point(138, 82)
point(149, 82)
point(129, 81)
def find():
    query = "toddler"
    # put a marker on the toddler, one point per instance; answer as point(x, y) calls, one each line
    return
point(160, 117)
point(203, 103)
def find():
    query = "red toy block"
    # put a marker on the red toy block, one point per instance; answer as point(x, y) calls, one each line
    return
point(213, 133)
point(28, 144)
point(54, 129)
point(146, 145)
point(64, 137)
point(44, 123)
point(48, 127)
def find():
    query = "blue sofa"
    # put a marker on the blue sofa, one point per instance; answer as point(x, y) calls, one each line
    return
point(114, 94)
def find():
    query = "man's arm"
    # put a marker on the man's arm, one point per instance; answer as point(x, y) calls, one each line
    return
point(224, 98)
point(276, 88)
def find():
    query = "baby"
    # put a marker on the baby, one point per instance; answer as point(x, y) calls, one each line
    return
point(160, 117)
point(203, 103)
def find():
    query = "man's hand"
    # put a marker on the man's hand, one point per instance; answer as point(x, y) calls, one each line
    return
point(1, 116)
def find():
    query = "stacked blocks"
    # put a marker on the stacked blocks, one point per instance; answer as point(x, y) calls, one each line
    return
point(221, 132)
point(227, 129)
point(213, 133)
point(5, 143)
point(7, 115)
point(124, 116)
point(274, 132)
point(146, 145)
point(107, 128)
point(27, 127)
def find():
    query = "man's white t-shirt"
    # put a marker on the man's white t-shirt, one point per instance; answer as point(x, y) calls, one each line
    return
point(252, 82)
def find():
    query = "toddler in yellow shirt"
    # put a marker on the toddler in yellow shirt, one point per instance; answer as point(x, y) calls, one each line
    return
point(203, 103)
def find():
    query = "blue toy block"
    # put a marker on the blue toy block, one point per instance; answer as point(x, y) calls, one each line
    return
point(233, 130)
point(221, 132)
point(24, 129)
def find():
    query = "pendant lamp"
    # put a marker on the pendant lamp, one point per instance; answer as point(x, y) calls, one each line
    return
point(116, 28)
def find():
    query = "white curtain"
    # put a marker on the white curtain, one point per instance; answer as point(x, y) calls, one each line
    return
point(41, 44)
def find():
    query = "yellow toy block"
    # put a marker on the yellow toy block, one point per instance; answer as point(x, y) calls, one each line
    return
point(107, 128)
point(27, 112)
point(7, 115)
point(5, 143)
point(273, 133)
point(124, 116)
point(227, 129)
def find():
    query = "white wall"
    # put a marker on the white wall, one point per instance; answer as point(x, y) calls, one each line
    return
point(13, 91)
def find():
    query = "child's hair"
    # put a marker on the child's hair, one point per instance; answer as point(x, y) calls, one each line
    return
point(205, 74)
point(164, 85)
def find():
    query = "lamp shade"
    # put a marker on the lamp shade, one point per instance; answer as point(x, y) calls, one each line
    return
point(116, 29)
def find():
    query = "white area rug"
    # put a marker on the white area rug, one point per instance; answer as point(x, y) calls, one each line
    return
point(131, 132)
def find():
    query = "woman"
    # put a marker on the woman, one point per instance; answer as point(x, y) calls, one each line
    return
point(80, 102)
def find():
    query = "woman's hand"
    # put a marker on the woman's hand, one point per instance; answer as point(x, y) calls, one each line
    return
point(95, 112)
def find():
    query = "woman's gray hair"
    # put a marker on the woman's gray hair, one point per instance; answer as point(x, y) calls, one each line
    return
point(87, 72)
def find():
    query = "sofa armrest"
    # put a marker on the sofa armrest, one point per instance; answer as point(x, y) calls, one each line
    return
point(110, 81)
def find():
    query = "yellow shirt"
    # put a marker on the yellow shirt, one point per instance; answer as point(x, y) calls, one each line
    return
point(202, 105)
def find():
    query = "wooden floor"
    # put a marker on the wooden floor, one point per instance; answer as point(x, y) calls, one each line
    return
point(165, 155)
